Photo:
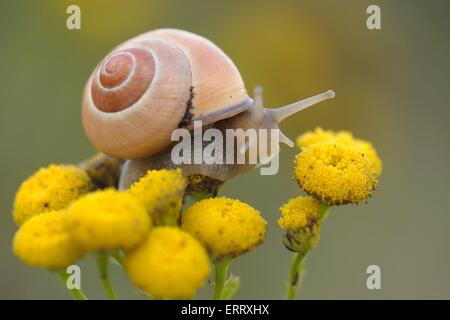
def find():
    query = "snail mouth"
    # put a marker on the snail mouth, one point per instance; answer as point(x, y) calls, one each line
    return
point(122, 79)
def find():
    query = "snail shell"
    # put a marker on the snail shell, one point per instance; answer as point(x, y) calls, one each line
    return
point(154, 83)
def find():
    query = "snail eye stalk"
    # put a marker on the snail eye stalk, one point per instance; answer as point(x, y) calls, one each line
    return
point(282, 113)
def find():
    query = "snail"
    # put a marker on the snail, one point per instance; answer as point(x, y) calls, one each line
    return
point(167, 79)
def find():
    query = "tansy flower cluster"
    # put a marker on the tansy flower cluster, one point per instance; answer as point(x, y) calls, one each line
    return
point(335, 173)
point(51, 188)
point(333, 168)
point(344, 138)
point(108, 220)
point(165, 246)
point(65, 214)
point(170, 264)
point(227, 227)
point(162, 192)
point(300, 217)
point(44, 241)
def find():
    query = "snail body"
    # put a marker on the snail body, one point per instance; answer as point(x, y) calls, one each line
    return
point(167, 79)
point(256, 117)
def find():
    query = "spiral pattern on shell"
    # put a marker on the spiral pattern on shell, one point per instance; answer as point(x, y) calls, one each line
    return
point(122, 79)
point(154, 83)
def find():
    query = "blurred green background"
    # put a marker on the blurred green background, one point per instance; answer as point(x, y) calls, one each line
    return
point(392, 88)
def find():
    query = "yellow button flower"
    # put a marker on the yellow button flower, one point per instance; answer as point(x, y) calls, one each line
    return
point(51, 188)
point(226, 227)
point(162, 192)
point(365, 146)
point(341, 137)
point(335, 173)
point(299, 213)
point(169, 264)
point(300, 217)
point(311, 137)
point(108, 220)
point(44, 241)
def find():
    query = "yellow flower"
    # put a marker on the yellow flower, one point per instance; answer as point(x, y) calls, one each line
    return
point(108, 220)
point(51, 188)
point(45, 242)
point(162, 192)
point(311, 137)
point(300, 217)
point(169, 264)
point(368, 149)
point(299, 213)
point(341, 137)
point(226, 227)
point(335, 173)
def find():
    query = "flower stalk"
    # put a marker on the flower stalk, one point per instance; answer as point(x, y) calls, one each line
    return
point(299, 257)
point(102, 265)
point(295, 275)
point(117, 257)
point(76, 293)
point(220, 276)
point(324, 210)
point(231, 287)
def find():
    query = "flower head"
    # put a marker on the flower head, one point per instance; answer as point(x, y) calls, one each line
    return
point(342, 137)
point(366, 147)
point(51, 188)
point(169, 264)
point(335, 173)
point(311, 137)
point(300, 217)
point(162, 192)
point(108, 220)
point(226, 227)
point(44, 241)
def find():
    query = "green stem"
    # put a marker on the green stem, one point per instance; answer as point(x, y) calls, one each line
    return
point(102, 265)
point(117, 257)
point(76, 293)
point(220, 275)
point(324, 210)
point(298, 261)
point(231, 287)
point(295, 275)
